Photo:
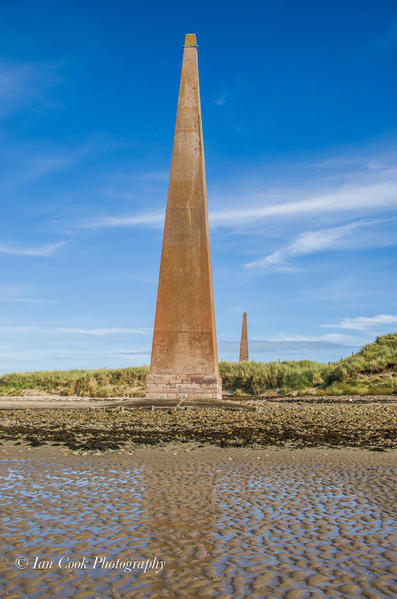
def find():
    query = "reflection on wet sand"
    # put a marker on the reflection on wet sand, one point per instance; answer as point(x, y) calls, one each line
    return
point(228, 523)
point(182, 522)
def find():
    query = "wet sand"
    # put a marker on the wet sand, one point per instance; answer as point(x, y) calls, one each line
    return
point(302, 523)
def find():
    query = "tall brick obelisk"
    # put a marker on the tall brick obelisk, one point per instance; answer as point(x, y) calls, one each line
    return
point(244, 340)
point(184, 362)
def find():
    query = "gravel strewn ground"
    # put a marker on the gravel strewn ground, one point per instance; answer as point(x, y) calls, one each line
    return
point(368, 425)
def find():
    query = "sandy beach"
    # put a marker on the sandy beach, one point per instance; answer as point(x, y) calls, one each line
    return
point(209, 522)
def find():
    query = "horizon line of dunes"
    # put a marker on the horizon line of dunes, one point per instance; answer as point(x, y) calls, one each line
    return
point(372, 370)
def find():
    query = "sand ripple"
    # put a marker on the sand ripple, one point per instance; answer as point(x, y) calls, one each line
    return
point(228, 523)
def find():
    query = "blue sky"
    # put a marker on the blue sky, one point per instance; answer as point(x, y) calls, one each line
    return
point(300, 130)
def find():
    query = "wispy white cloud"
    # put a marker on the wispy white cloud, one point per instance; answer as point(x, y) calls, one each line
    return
point(159, 176)
point(337, 339)
point(135, 186)
point(221, 99)
point(372, 197)
point(26, 300)
point(66, 353)
point(296, 343)
point(368, 198)
point(307, 243)
point(43, 165)
point(23, 358)
point(13, 293)
point(33, 161)
point(102, 332)
point(151, 219)
point(45, 250)
point(98, 332)
point(364, 323)
point(330, 338)
point(22, 83)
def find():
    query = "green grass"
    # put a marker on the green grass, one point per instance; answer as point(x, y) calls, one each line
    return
point(373, 370)
point(256, 378)
point(124, 382)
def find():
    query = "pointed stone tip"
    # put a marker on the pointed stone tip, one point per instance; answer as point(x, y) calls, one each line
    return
point(190, 39)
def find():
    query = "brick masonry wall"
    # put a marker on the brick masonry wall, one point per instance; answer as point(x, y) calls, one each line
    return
point(183, 386)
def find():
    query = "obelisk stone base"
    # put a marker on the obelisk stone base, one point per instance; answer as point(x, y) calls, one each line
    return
point(183, 386)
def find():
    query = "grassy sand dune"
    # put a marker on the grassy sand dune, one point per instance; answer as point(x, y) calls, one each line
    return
point(373, 370)
point(123, 382)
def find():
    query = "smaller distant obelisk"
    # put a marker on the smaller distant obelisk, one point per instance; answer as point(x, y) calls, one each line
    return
point(244, 341)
